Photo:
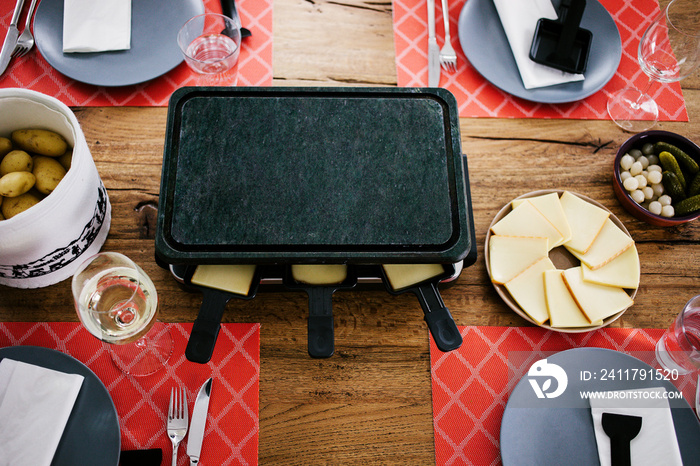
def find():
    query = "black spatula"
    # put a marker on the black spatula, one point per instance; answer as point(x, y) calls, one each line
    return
point(621, 429)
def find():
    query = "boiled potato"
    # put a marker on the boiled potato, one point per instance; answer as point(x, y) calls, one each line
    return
point(15, 205)
point(16, 183)
point(66, 159)
point(48, 172)
point(5, 146)
point(40, 141)
point(16, 161)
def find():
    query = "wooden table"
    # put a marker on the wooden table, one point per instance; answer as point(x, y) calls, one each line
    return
point(371, 402)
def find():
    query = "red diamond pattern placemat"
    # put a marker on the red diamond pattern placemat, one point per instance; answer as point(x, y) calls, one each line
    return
point(231, 435)
point(471, 384)
point(254, 66)
point(476, 97)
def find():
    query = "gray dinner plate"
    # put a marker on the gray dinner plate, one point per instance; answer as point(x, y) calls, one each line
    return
point(556, 431)
point(485, 45)
point(92, 433)
point(153, 52)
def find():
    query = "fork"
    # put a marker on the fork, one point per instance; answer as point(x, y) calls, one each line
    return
point(448, 57)
point(25, 41)
point(177, 420)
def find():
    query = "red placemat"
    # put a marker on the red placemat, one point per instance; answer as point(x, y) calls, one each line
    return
point(478, 98)
point(471, 384)
point(254, 66)
point(231, 435)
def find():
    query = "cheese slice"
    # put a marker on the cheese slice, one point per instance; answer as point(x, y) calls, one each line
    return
point(595, 301)
point(550, 207)
point(610, 243)
point(527, 289)
point(510, 255)
point(233, 278)
point(319, 274)
point(585, 219)
point(561, 306)
point(623, 271)
point(404, 275)
point(526, 220)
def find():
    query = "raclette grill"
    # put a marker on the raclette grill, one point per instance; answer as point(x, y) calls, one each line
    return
point(281, 176)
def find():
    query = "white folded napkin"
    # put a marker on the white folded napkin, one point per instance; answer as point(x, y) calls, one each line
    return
point(656, 442)
point(96, 25)
point(35, 404)
point(519, 19)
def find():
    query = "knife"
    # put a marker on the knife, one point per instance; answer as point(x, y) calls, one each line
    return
point(199, 421)
point(228, 7)
point(433, 50)
point(11, 38)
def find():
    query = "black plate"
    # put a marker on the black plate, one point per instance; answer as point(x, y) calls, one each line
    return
point(288, 175)
point(92, 433)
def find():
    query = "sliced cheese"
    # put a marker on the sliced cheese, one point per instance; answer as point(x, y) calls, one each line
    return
point(585, 219)
point(233, 278)
point(561, 307)
point(610, 243)
point(596, 301)
point(623, 271)
point(319, 274)
point(526, 220)
point(527, 289)
point(404, 275)
point(550, 206)
point(510, 255)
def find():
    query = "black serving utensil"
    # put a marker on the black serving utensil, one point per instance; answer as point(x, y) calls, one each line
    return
point(562, 44)
point(228, 7)
point(205, 329)
point(440, 322)
point(621, 429)
point(321, 333)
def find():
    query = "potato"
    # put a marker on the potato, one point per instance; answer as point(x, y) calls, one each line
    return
point(66, 159)
point(48, 173)
point(16, 183)
point(5, 146)
point(40, 141)
point(15, 205)
point(16, 161)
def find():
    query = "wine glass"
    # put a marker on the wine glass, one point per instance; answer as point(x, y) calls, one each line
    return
point(117, 303)
point(668, 52)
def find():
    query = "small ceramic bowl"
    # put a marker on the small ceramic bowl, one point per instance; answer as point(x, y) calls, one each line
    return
point(636, 142)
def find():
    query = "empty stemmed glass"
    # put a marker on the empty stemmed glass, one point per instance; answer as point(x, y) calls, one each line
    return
point(668, 52)
point(117, 302)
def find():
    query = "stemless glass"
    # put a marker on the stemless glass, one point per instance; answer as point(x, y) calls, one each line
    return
point(117, 303)
point(679, 347)
point(668, 51)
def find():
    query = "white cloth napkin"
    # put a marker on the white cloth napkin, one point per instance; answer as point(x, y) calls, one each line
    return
point(519, 19)
point(656, 443)
point(35, 404)
point(96, 25)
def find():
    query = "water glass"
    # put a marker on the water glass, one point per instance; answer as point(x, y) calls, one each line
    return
point(211, 44)
point(679, 347)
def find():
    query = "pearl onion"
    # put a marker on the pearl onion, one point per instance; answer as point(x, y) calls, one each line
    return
point(637, 196)
point(644, 161)
point(665, 200)
point(641, 180)
point(631, 183)
point(626, 161)
point(654, 168)
point(667, 211)
point(636, 168)
point(648, 192)
point(658, 189)
point(654, 177)
point(624, 175)
point(653, 159)
point(655, 207)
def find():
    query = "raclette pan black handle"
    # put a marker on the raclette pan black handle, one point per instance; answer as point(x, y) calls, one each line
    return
point(440, 322)
point(205, 329)
point(321, 334)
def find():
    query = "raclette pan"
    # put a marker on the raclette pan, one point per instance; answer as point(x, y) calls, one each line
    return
point(313, 175)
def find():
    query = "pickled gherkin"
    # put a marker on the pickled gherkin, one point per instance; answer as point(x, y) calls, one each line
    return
point(672, 186)
point(670, 164)
point(687, 206)
point(687, 162)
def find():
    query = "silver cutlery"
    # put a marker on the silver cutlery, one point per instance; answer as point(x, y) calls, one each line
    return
point(177, 419)
point(433, 50)
point(11, 38)
point(448, 57)
point(26, 39)
point(697, 397)
point(199, 421)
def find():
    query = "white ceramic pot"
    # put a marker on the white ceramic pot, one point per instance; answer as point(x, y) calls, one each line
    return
point(45, 244)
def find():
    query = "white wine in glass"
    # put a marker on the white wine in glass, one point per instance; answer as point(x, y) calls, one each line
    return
point(117, 303)
point(668, 51)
